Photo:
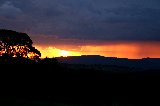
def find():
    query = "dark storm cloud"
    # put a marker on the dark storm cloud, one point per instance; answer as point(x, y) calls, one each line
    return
point(84, 19)
point(9, 10)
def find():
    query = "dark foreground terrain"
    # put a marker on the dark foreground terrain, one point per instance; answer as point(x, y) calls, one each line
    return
point(46, 84)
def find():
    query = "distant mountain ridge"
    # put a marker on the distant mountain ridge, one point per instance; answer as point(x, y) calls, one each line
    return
point(144, 63)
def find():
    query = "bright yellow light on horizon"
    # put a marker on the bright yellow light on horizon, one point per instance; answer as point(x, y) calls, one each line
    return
point(54, 52)
point(64, 53)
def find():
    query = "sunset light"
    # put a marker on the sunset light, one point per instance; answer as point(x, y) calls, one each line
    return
point(63, 50)
point(54, 52)
point(122, 50)
point(64, 53)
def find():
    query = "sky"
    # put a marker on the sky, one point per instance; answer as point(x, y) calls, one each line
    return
point(114, 28)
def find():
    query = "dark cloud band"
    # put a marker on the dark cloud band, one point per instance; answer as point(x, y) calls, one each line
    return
point(102, 20)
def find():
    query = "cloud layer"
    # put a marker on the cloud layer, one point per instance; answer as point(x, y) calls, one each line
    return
point(103, 20)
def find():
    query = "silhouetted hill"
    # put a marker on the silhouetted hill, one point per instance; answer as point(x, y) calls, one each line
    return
point(143, 64)
point(51, 82)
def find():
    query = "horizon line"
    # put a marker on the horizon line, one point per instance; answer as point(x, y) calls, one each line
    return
point(103, 56)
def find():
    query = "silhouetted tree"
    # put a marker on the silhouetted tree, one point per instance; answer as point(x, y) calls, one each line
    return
point(16, 44)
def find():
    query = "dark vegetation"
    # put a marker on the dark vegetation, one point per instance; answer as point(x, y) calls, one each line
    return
point(24, 80)
point(15, 44)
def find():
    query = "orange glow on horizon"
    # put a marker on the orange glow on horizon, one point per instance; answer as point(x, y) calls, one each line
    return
point(131, 50)
point(54, 52)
